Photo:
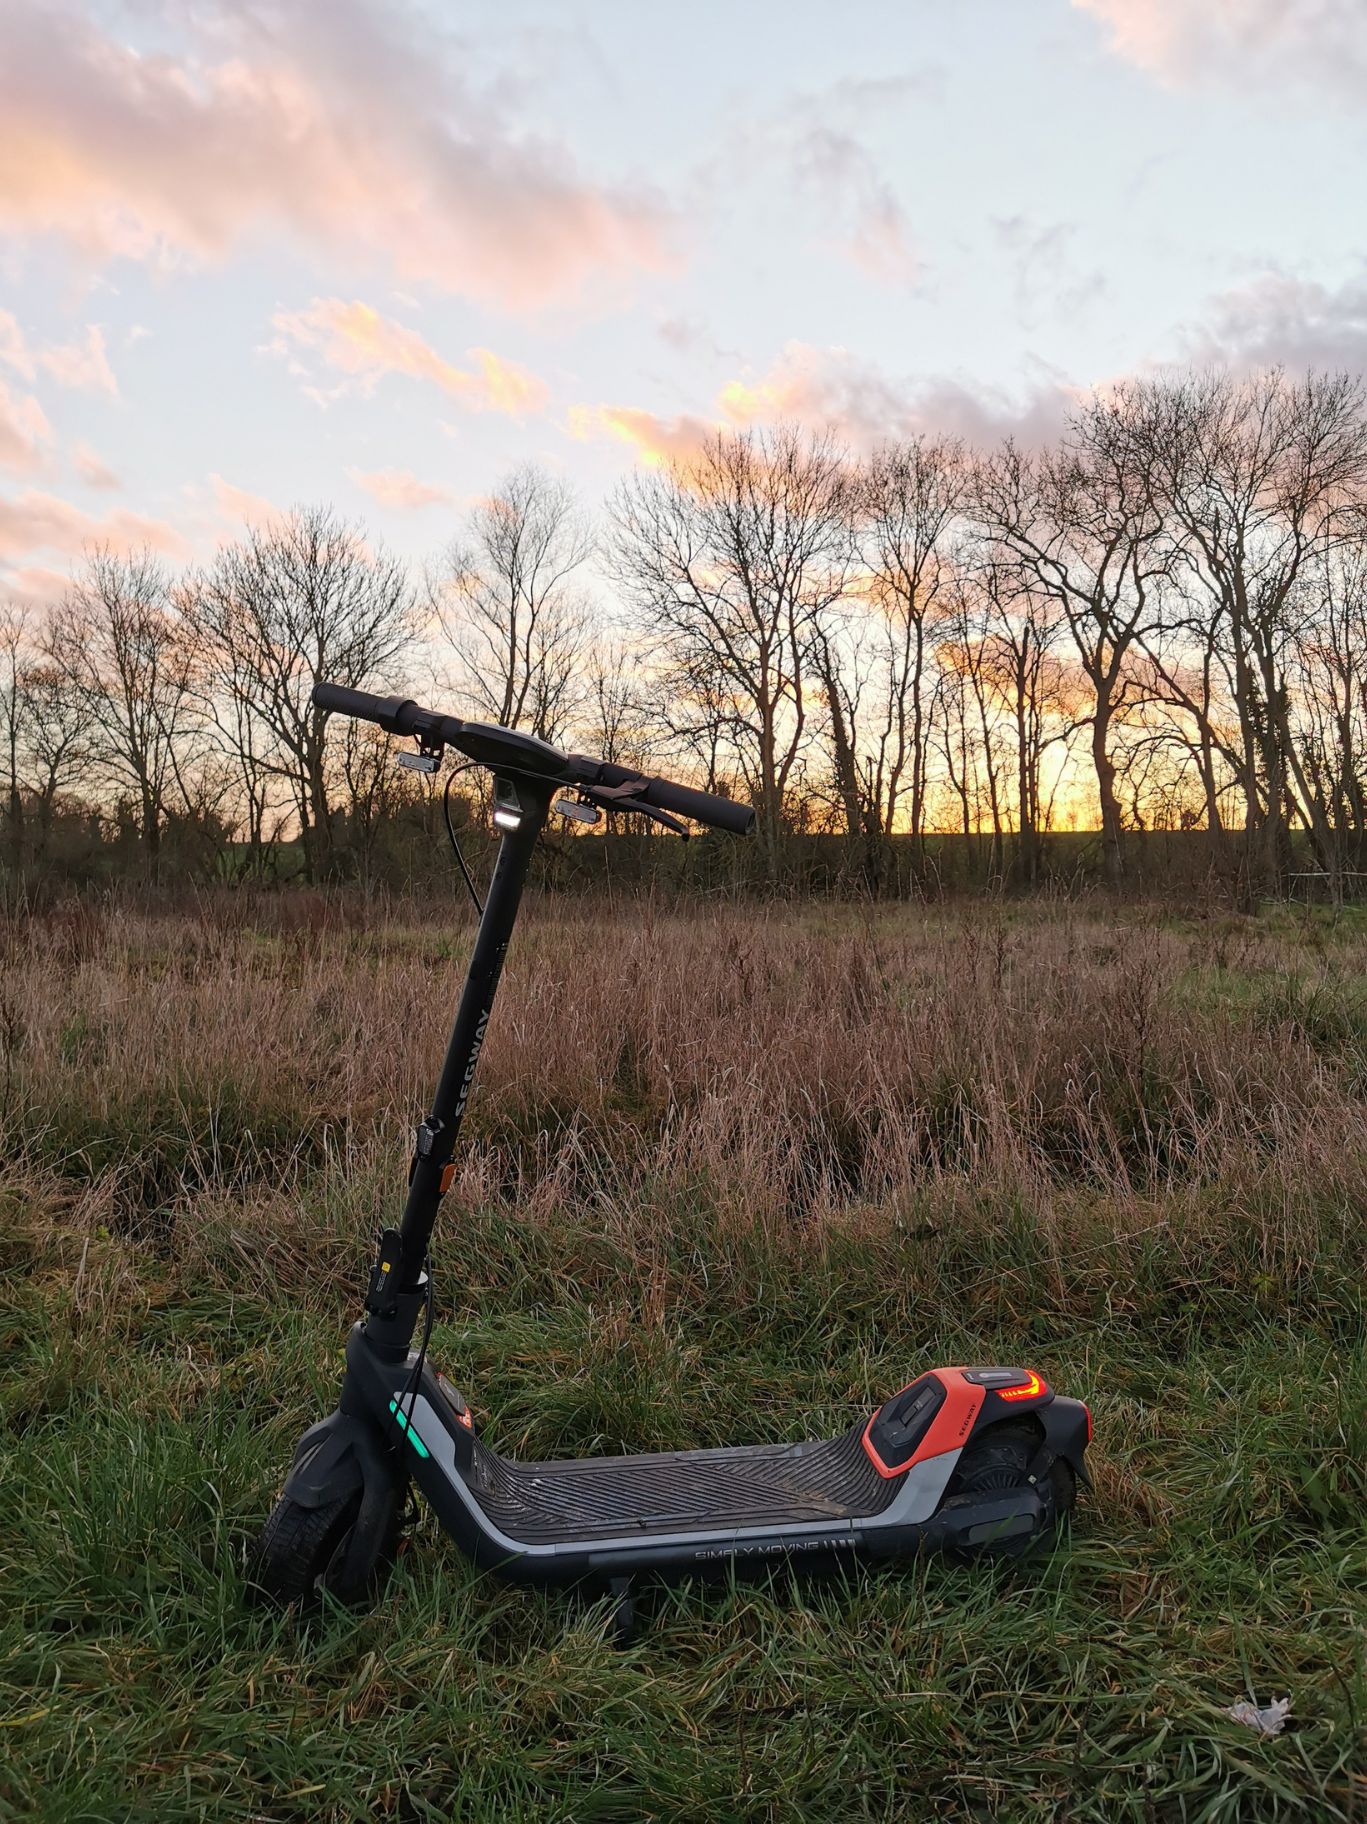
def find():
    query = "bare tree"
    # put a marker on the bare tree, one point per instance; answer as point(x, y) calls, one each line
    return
point(303, 599)
point(732, 558)
point(616, 715)
point(1259, 477)
point(123, 654)
point(841, 662)
point(13, 657)
point(912, 495)
point(1024, 680)
point(507, 601)
point(1083, 523)
point(1328, 690)
point(57, 743)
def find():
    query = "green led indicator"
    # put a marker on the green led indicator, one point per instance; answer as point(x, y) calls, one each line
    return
point(412, 1435)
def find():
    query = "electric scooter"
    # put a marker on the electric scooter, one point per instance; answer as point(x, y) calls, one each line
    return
point(975, 1460)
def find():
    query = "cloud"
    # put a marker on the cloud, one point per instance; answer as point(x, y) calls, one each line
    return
point(1277, 320)
point(355, 340)
point(240, 505)
point(811, 156)
point(986, 415)
point(34, 522)
point(24, 433)
point(368, 132)
point(655, 440)
point(14, 348)
point(35, 585)
point(833, 389)
point(1319, 44)
point(83, 364)
point(829, 389)
point(1045, 272)
point(92, 469)
point(825, 386)
point(874, 232)
point(398, 488)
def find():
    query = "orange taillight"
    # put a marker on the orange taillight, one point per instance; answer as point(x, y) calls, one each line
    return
point(1028, 1390)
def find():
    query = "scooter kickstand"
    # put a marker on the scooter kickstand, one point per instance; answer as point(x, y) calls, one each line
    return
point(624, 1611)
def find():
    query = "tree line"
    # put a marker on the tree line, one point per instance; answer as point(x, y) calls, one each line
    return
point(1158, 622)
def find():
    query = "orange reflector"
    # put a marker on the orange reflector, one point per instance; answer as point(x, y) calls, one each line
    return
point(448, 1172)
point(467, 1419)
point(1027, 1391)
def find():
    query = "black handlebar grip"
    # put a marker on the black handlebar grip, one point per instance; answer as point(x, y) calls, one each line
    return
point(389, 712)
point(702, 807)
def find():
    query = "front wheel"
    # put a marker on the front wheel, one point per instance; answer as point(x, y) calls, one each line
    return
point(303, 1551)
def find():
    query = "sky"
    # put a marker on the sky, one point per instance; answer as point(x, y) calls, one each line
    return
point(375, 253)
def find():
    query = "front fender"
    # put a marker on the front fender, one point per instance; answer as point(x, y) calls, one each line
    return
point(339, 1457)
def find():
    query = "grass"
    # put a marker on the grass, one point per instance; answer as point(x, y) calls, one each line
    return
point(731, 1174)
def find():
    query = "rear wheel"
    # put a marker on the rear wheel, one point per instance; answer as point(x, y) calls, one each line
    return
point(303, 1551)
point(998, 1462)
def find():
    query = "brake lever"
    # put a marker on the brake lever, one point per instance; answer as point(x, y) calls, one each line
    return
point(619, 798)
point(655, 814)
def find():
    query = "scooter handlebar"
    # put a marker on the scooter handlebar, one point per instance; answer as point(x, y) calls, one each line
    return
point(401, 716)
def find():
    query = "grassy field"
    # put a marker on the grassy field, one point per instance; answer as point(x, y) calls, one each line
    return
point(734, 1175)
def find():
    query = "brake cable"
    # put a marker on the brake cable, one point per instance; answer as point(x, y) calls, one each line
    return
point(453, 775)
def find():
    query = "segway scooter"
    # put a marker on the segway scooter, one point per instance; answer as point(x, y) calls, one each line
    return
point(975, 1460)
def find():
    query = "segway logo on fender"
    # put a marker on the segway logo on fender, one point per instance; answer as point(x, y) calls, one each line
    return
point(469, 1076)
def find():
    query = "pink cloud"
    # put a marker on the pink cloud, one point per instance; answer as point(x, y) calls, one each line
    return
point(92, 469)
point(24, 433)
point(829, 389)
point(398, 488)
point(34, 522)
point(354, 339)
point(33, 585)
point(1200, 43)
point(655, 440)
point(364, 130)
point(240, 505)
point(83, 364)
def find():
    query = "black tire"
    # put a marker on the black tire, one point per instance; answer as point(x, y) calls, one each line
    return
point(302, 1551)
point(998, 1462)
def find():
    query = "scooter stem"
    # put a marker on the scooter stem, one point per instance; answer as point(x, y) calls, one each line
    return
point(436, 1135)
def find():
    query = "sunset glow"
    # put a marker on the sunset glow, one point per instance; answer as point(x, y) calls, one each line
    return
point(245, 258)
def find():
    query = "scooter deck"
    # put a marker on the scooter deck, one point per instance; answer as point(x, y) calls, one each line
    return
point(672, 1491)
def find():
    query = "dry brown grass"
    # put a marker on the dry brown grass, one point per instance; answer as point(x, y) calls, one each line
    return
point(915, 1079)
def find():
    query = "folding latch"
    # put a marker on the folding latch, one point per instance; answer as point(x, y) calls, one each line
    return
point(382, 1293)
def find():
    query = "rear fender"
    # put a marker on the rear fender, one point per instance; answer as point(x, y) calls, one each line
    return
point(1065, 1425)
point(1067, 1433)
